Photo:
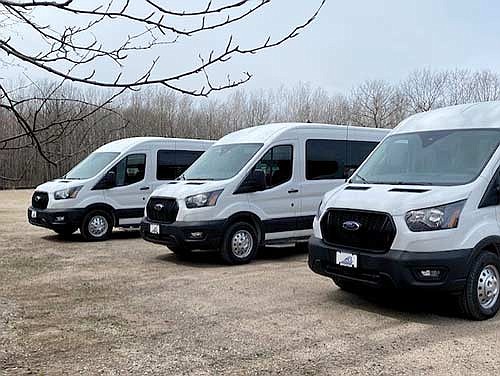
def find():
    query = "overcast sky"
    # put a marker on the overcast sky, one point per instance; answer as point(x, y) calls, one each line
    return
point(350, 42)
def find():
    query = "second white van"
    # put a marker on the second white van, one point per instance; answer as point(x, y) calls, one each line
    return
point(256, 186)
point(111, 186)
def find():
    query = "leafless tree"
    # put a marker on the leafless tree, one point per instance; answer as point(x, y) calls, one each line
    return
point(425, 89)
point(376, 104)
point(73, 45)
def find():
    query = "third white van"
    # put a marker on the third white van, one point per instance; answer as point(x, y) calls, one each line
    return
point(257, 186)
point(422, 212)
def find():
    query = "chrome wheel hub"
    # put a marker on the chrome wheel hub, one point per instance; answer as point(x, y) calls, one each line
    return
point(242, 243)
point(487, 286)
point(98, 226)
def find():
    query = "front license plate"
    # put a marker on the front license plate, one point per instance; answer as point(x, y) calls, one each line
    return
point(347, 259)
point(33, 214)
point(154, 229)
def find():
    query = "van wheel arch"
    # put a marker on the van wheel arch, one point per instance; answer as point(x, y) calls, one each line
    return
point(249, 218)
point(489, 244)
point(103, 207)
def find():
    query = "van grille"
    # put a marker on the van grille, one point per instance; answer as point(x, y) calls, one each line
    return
point(40, 200)
point(162, 209)
point(376, 230)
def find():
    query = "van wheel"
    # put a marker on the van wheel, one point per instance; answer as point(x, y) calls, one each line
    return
point(97, 225)
point(240, 244)
point(480, 299)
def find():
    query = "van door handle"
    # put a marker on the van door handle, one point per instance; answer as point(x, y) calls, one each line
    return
point(293, 191)
point(145, 188)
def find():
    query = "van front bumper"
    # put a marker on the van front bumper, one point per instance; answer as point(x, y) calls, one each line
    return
point(398, 269)
point(56, 219)
point(181, 234)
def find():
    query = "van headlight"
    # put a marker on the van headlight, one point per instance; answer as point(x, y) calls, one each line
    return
point(437, 218)
point(203, 199)
point(67, 193)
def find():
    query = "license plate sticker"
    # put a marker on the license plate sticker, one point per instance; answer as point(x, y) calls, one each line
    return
point(347, 259)
point(154, 228)
point(33, 214)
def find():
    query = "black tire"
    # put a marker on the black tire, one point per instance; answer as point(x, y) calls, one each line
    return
point(469, 301)
point(227, 251)
point(87, 234)
point(65, 232)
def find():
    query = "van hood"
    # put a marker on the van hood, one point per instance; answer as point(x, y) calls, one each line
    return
point(59, 184)
point(395, 199)
point(185, 188)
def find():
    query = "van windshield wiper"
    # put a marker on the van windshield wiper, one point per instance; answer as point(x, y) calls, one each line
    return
point(363, 179)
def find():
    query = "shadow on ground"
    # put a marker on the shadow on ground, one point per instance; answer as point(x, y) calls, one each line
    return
point(213, 258)
point(78, 238)
point(418, 306)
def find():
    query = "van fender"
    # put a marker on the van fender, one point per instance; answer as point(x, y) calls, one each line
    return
point(490, 244)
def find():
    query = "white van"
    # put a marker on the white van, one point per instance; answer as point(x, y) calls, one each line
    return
point(111, 186)
point(256, 186)
point(421, 212)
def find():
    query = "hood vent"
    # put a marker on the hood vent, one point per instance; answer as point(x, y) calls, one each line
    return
point(173, 182)
point(194, 183)
point(356, 188)
point(409, 190)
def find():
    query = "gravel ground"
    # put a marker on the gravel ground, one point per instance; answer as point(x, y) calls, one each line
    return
point(129, 307)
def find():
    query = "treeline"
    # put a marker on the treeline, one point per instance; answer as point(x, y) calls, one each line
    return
point(158, 112)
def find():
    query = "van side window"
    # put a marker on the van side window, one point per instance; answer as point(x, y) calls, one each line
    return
point(325, 159)
point(492, 197)
point(172, 163)
point(130, 170)
point(277, 165)
point(358, 151)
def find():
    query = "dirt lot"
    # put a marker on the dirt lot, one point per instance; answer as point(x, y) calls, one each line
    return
point(129, 307)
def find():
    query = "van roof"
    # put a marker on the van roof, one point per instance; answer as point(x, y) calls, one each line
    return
point(465, 116)
point(128, 143)
point(262, 133)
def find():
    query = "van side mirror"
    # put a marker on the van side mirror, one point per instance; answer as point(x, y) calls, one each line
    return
point(497, 187)
point(254, 182)
point(348, 173)
point(108, 181)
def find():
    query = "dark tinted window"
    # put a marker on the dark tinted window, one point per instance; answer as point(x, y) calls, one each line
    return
point(277, 165)
point(130, 170)
point(172, 163)
point(325, 159)
point(358, 151)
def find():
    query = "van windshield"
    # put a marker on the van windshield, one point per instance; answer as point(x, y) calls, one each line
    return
point(221, 162)
point(450, 157)
point(91, 166)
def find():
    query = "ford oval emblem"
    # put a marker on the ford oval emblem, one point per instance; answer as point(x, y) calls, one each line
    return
point(159, 207)
point(351, 226)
